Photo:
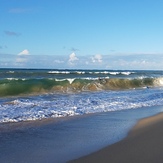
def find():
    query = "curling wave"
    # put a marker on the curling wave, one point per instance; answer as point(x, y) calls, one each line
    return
point(15, 86)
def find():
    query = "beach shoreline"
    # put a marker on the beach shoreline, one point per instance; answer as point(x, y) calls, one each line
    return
point(72, 137)
point(144, 143)
point(13, 126)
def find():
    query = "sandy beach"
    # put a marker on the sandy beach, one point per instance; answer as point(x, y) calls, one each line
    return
point(144, 144)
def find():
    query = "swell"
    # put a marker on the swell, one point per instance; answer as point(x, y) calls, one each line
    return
point(11, 87)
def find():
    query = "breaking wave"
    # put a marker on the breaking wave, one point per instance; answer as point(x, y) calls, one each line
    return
point(16, 86)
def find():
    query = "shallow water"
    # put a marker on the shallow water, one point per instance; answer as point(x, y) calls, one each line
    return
point(70, 139)
point(16, 109)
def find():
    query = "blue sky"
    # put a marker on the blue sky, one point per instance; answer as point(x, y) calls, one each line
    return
point(90, 34)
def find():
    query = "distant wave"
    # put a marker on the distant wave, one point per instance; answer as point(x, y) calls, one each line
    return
point(91, 72)
point(16, 86)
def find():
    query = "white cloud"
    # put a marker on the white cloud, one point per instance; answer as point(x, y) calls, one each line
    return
point(22, 58)
point(137, 61)
point(72, 58)
point(97, 58)
point(24, 52)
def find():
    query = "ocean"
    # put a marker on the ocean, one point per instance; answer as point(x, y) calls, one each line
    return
point(31, 94)
point(117, 97)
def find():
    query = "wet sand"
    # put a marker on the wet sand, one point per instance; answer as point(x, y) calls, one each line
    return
point(144, 144)
point(63, 139)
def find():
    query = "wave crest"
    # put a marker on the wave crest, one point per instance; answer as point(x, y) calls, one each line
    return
point(10, 87)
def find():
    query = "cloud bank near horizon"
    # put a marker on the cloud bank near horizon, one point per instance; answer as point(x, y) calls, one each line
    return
point(98, 61)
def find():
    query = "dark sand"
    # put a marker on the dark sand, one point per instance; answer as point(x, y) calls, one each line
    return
point(144, 144)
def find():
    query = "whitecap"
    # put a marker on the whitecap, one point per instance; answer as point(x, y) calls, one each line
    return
point(125, 73)
point(71, 80)
point(53, 72)
point(80, 72)
point(114, 73)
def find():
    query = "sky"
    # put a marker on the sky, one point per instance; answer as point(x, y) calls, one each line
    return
point(81, 34)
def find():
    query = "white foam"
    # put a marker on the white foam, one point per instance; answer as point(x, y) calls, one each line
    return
point(96, 72)
point(59, 72)
point(12, 78)
point(53, 72)
point(159, 81)
point(126, 73)
point(71, 80)
point(114, 73)
point(60, 105)
point(80, 72)
point(104, 72)
point(90, 78)
point(11, 72)
point(60, 79)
